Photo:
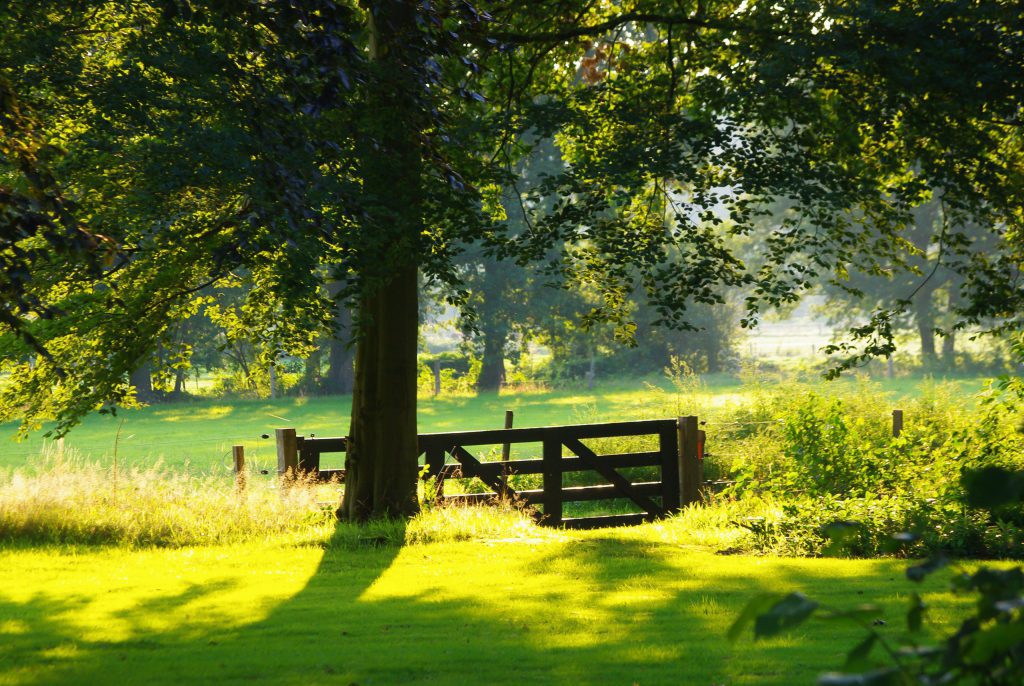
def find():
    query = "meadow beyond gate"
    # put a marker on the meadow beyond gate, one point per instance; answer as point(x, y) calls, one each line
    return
point(449, 455)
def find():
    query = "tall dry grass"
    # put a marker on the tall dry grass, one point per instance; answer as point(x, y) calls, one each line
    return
point(64, 499)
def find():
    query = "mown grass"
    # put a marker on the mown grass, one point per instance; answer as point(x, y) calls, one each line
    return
point(138, 572)
point(517, 606)
point(162, 577)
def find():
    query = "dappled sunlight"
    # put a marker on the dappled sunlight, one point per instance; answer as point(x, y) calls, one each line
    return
point(544, 607)
point(115, 595)
point(189, 413)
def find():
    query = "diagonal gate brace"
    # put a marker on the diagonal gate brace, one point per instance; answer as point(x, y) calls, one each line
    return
point(623, 485)
point(480, 471)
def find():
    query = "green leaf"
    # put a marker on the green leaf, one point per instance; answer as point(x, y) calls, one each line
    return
point(994, 640)
point(787, 613)
point(866, 611)
point(919, 572)
point(916, 612)
point(877, 677)
point(991, 487)
point(858, 655)
point(841, 536)
point(755, 607)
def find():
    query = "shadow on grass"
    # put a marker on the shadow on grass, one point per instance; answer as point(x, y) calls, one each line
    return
point(600, 610)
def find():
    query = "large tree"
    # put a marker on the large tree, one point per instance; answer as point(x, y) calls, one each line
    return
point(314, 139)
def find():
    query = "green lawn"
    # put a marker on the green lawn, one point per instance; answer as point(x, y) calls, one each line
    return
point(201, 433)
point(605, 607)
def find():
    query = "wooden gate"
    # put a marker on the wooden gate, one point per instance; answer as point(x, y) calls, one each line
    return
point(448, 455)
point(654, 498)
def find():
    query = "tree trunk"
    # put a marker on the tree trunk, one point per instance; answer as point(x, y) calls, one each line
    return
point(381, 461)
point(494, 326)
point(179, 381)
point(949, 348)
point(311, 381)
point(949, 335)
point(924, 317)
point(340, 374)
point(492, 366)
point(142, 380)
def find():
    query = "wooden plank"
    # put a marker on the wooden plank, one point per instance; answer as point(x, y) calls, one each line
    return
point(506, 448)
point(624, 485)
point(541, 434)
point(608, 521)
point(552, 481)
point(897, 423)
point(238, 454)
point(689, 469)
point(668, 444)
point(287, 451)
point(471, 467)
point(309, 457)
point(567, 464)
point(535, 496)
point(329, 444)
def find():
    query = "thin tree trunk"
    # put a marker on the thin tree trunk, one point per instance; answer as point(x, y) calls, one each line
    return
point(924, 317)
point(949, 348)
point(949, 336)
point(494, 326)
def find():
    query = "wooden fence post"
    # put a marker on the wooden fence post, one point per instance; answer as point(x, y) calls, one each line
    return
point(287, 453)
point(897, 423)
point(668, 445)
point(702, 439)
point(506, 454)
point(552, 498)
point(238, 453)
point(689, 462)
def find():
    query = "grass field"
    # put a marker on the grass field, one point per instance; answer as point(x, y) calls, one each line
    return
point(201, 433)
point(606, 607)
point(260, 588)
